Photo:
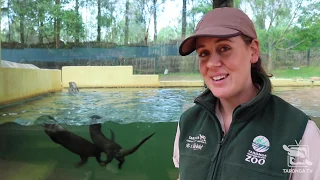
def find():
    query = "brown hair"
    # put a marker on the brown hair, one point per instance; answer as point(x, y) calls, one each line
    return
point(256, 67)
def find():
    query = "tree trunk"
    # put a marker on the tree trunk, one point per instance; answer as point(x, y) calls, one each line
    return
point(146, 37)
point(58, 33)
point(9, 24)
point(155, 36)
point(99, 22)
point(41, 17)
point(77, 38)
point(308, 57)
point(57, 26)
point(184, 19)
point(22, 30)
point(270, 59)
point(126, 28)
point(22, 18)
point(222, 3)
point(41, 25)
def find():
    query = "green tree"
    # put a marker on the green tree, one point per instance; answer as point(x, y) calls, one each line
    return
point(307, 30)
point(168, 34)
point(274, 20)
point(72, 28)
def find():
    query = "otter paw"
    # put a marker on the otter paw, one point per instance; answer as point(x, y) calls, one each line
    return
point(102, 164)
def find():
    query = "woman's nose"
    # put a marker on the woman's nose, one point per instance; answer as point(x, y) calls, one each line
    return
point(214, 61)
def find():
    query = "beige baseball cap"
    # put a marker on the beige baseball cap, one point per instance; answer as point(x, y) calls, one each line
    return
point(223, 22)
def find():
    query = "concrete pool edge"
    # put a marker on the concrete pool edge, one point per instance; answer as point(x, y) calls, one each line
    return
point(200, 83)
point(281, 82)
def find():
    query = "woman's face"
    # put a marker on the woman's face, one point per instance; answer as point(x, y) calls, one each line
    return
point(225, 64)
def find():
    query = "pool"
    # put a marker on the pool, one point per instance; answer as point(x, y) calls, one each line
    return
point(119, 105)
point(28, 153)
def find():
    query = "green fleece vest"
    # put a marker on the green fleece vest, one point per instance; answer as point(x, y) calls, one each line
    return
point(253, 148)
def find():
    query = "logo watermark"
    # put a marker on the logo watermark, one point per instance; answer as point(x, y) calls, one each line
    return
point(297, 158)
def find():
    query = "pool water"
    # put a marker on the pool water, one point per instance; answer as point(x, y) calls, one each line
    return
point(26, 152)
point(116, 105)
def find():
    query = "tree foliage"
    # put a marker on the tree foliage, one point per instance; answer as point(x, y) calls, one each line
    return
point(284, 25)
point(281, 25)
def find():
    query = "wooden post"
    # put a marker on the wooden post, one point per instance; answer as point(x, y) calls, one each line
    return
point(308, 57)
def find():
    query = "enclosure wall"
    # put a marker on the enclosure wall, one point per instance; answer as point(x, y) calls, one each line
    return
point(106, 76)
point(18, 83)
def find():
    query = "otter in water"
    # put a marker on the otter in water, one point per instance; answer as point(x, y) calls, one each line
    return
point(73, 87)
point(109, 146)
point(71, 141)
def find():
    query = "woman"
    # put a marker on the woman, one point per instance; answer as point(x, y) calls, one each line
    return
point(238, 130)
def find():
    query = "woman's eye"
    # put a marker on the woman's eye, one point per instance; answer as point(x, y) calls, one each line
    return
point(224, 48)
point(203, 54)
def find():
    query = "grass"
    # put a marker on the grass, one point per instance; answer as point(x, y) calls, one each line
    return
point(303, 72)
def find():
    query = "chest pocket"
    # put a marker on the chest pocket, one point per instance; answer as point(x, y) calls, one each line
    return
point(233, 171)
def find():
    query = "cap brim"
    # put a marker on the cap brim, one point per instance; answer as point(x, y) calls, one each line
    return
point(189, 45)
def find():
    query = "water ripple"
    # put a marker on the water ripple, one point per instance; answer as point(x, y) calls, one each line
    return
point(133, 105)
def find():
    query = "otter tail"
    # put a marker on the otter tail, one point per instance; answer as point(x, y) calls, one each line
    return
point(132, 150)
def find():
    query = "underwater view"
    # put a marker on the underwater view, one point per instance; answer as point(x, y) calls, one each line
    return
point(30, 150)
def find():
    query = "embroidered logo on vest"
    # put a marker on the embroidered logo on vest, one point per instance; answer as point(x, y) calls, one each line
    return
point(260, 144)
point(196, 142)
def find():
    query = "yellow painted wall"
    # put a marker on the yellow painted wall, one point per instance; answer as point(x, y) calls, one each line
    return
point(19, 83)
point(182, 84)
point(145, 80)
point(106, 76)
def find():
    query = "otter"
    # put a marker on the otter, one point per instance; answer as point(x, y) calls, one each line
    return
point(71, 141)
point(73, 87)
point(109, 146)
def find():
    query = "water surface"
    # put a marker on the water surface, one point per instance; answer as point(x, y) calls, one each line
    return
point(26, 152)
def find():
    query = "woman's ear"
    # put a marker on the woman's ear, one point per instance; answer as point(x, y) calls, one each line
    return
point(255, 51)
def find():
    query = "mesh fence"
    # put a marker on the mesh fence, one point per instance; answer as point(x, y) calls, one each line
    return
point(144, 59)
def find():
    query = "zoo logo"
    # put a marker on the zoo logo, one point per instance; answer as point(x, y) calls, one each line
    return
point(260, 145)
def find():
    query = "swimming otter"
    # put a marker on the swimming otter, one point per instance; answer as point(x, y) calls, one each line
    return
point(109, 146)
point(73, 87)
point(71, 141)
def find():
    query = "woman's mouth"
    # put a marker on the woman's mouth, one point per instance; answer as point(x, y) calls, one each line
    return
point(219, 78)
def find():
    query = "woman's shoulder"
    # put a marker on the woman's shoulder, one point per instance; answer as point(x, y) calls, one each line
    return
point(282, 105)
point(310, 144)
point(311, 136)
point(192, 110)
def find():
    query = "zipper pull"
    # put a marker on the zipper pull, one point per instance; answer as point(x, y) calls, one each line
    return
point(223, 135)
point(221, 141)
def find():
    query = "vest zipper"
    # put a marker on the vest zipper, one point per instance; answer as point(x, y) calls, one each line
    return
point(217, 152)
point(222, 137)
point(215, 160)
point(227, 136)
